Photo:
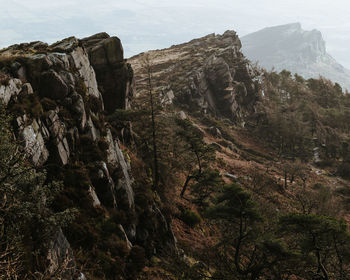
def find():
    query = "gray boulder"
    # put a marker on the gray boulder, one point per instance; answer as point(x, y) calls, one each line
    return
point(34, 144)
point(10, 90)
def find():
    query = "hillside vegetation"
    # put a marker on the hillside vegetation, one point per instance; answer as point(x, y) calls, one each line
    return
point(187, 163)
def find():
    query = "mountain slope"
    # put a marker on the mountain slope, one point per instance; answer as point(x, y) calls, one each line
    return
point(88, 119)
point(292, 48)
point(288, 157)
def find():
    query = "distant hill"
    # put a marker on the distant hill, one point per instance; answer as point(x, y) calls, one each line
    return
point(292, 48)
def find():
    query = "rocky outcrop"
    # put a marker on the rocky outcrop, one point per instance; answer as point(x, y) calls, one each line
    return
point(58, 134)
point(154, 231)
point(63, 75)
point(10, 90)
point(125, 181)
point(58, 94)
point(208, 72)
point(107, 194)
point(116, 160)
point(114, 75)
point(33, 139)
point(60, 257)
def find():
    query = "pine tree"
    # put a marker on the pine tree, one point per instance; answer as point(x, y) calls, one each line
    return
point(322, 242)
point(196, 153)
point(245, 248)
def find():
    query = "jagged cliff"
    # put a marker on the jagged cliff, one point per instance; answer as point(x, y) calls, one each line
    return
point(60, 96)
point(294, 49)
point(209, 73)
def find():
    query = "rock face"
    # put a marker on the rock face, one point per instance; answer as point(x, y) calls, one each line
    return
point(125, 182)
point(114, 76)
point(52, 85)
point(292, 48)
point(34, 141)
point(210, 73)
point(59, 95)
point(59, 254)
point(10, 90)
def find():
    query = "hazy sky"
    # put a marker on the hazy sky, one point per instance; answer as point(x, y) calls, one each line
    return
point(153, 24)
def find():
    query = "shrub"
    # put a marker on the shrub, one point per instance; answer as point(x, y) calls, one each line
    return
point(325, 163)
point(108, 227)
point(67, 117)
point(190, 218)
point(48, 104)
point(93, 103)
point(318, 186)
point(103, 146)
point(90, 150)
point(116, 246)
point(344, 170)
point(118, 216)
point(109, 266)
point(77, 176)
point(138, 258)
point(62, 202)
point(82, 233)
point(28, 104)
point(81, 88)
point(4, 79)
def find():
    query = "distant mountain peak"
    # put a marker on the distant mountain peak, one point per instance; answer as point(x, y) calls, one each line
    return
point(295, 26)
point(290, 47)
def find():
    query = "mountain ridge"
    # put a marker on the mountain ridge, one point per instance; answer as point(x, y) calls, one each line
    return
point(213, 127)
point(294, 49)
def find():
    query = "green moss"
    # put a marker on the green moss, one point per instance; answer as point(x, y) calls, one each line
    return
point(81, 88)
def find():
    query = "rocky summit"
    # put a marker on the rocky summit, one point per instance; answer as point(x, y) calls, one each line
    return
point(210, 73)
point(294, 49)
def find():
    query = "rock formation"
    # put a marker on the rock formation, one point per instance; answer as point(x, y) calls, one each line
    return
point(210, 73)
point(58, 95)
point(114, 76)
point(294, 49)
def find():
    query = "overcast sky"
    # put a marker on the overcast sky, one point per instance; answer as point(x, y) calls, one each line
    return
point(153, 24)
